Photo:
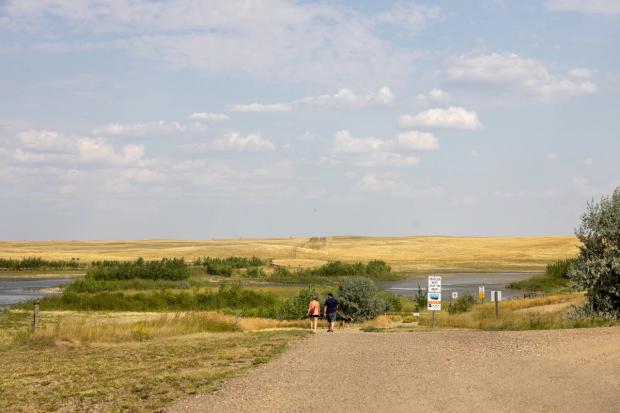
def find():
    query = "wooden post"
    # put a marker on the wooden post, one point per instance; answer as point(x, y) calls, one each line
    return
point(36, 321)
point(496, 306)
point(433, 319)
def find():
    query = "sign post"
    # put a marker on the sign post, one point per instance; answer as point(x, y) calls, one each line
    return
point(434, 296)
point(455, 295)
point(497, 297)
point(481, 293)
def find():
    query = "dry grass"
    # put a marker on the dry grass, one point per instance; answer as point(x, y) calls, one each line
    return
point(126, 361)
point(403, 253)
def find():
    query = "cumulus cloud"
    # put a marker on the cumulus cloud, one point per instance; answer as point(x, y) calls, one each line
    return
point(451, 117)
point(513, 74)
point(585, 6)
point(209, 117)
point(238, 142)
point(409, 15)
point(342, 98)
point(371, 151)
point(434, 95)
point(139, 129)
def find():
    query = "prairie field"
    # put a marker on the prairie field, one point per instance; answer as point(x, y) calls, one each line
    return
point(419, 253)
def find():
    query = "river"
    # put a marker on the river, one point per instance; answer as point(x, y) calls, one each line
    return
point(460, 282)
point(13, 291)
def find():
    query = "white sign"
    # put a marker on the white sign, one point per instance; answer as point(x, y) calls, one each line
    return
point(481, 289)
point(455, 295)
point(496, 296)
point(434, 293)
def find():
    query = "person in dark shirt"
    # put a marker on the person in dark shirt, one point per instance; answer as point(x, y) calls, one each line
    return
point(331, 307)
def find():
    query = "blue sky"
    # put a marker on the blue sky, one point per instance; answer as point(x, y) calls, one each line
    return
point(141, 119)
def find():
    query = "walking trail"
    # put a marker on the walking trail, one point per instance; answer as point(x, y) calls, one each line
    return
point(460, 371)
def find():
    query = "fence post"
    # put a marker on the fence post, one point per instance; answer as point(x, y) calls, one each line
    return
point(36, 321)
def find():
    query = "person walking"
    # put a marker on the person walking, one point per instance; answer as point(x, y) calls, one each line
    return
point(330, 310)
point(314, 309)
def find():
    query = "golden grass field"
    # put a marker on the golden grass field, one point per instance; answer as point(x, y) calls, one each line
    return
point(420, 253)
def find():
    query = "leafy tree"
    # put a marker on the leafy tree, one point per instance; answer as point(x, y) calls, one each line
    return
point(296, 308)
point(597, 269)
point(358, 298)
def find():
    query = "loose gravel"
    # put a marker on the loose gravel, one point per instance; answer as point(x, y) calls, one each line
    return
point(459, 371)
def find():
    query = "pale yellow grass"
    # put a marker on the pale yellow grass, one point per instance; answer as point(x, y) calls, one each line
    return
point(403, 253)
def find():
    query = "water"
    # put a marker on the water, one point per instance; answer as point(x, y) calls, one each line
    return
point(14, 291)
point(460, 282)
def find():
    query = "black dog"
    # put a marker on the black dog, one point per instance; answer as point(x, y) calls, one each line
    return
point(344, 320)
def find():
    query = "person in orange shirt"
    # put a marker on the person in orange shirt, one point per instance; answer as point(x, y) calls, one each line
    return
point(314, 309)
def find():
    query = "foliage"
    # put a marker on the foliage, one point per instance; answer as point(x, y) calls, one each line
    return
point(597, 269)
point(38, 263)
point(357, 297)
point(554, 279)
point(391, 300)
point(225, 298)
point(333, 269)
point(296, 307)
point(226, 266)
point(255, 272)
point(165, 269)
point(421, 299)
point(89, 285)
point(461, 304)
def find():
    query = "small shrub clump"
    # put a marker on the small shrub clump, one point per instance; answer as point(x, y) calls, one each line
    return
point(461, 304)
point(165, 269)
point(358, 298)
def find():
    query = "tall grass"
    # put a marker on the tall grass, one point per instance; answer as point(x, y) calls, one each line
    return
point(164, 269)
point(554, 279)
point(38, 263)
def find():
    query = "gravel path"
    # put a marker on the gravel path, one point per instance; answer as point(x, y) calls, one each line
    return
point(533, 371)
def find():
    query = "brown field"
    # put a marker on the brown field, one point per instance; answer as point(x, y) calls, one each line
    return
point(403, 253)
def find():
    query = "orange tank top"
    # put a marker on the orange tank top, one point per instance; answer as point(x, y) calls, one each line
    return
point(314, 308)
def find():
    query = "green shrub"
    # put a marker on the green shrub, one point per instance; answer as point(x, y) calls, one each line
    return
point(391, 300)
point(255, 272)
point(420, 299)
point(357, 297)
point(38, 263)
point(597, 269)
point(461, 304)
point(296, 307)
point(165, 269)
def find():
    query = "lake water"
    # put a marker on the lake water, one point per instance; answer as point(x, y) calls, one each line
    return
point(14, 291)
point(460, 282)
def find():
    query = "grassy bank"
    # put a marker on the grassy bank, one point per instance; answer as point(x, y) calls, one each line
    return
point(555, 279)
point(126, 362)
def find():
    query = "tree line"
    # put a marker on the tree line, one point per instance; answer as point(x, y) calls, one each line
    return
point(38, 263)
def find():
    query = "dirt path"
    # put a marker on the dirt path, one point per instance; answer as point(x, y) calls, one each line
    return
point(534, 371)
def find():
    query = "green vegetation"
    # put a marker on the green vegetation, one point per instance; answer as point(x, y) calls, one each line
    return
point(89, 285)
point(165, 269)
point(357, 297)
point(38, 264)
point(461, 304)
point(555, 279)
point(375, 269)
point(227, 266)
point(597, 269)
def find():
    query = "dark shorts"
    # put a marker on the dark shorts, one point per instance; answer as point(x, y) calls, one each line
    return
point(313, 315)
point(331, 317)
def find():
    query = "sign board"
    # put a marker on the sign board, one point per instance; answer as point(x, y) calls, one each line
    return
point(481, 292)
point(434, 293)
point(455, 295)
point(496, 296)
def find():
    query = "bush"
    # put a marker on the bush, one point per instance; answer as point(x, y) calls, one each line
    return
point(296, 308)
point(357, 297)
point(461, 304)
point(166, 269)
point(255, 272)
point(420, 299)
point(391, 300)
point(38, 263)
point(597, 269)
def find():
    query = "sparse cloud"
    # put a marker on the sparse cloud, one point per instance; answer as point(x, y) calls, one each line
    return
point(371, 151)
point(452, 117)
point(342, 98)
point(433, 96)
point(585, 6)
point(552, 156)
point(395, 185)
point(139, 129)
point(238, 142)
point(209, 117)
point(513, 74)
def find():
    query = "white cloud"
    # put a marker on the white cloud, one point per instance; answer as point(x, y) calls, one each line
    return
point(307, 136)
point(585, 6)
point(434, 95)
point(371, 151)
point(44, 141)
point(348, 98)
point(580, 72)
point(343, 98)
point(250, 142)
point(139, 129)
point(263, 107)
point(513, 74)
point(281, 40)
point(588, 161)
point(552, 156)
point(209, 117)
point(395, 185)
point(451, 117)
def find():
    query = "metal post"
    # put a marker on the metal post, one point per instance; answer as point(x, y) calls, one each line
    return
point(36, 322)
point(496, 307)
point(433, 319)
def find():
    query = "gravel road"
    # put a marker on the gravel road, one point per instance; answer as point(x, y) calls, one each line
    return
point(525, 371)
